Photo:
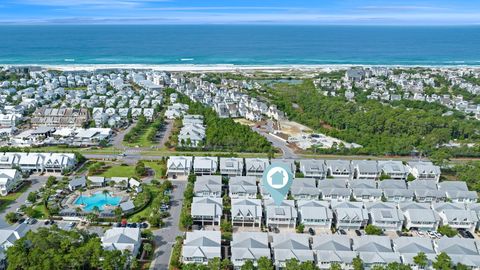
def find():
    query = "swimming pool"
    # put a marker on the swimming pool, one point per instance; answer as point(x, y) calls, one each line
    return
point(97, 199)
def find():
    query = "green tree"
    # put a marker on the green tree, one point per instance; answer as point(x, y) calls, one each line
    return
point(264, 263)
point(148, 248)
point(292, 264)
point(371, 229)
point(226, 264)
point(214, 264)
point(248, 265)
point(105, 192)
point(51, 180)
point(32, 197)
point(357, 263)
point(460, 266)
point(335, 266)
point(421, 260)
point(447, 230)
point(300, 228)
point(11, 217)
point(442, 262)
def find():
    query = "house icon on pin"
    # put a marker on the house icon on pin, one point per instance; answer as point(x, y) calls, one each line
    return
point(277, 178)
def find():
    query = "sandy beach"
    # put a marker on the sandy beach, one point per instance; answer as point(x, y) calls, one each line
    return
point(221, 67)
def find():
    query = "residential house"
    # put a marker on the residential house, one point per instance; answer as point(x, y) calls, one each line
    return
point(249, 246)
point(393, 169)
point(122, 239)
point(315, 214)
point(385, 215)
point(255, 166)
point(77, 182)
point(456, 215)
point(365, 190)
point(287, 246)
point(365, 169)
point(419, 216)
point(304, 189)
point(338, 168)
point(207, 211)
point(8, 237)
point(287, 163)
point(10, 179)
point(200, 247)
point(349, 215)
point(424, 170)
point(395, 191)
point(313, 168)
point(179, 166)
point(205, 165)
point(426, 191)
point(208, 186)
point(334, 190)
point(243, 187)
point(409, 247)
point(457, 192)
point(375, 250)
point(280, 216)
point(96, 181)
point(231, 166)
point(332, 249)
point(246, 212)
point(460, 250)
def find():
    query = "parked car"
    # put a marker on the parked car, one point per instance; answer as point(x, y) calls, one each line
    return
point(421, 233)
point(468, 234)
point(431, 234)
point(144, 225)
point(21, 220)
point(47, 222)
point(342, 232)
point(276, 230)
point(358, 232)
point(311, 231)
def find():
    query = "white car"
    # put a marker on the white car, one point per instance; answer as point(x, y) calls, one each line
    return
point(421, 233)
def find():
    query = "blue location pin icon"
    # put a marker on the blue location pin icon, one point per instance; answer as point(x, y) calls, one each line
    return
point(277, 179)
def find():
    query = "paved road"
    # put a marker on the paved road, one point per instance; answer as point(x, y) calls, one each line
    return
point(165, 237)
point(36, 183)
point(165, 132)
point(287, 152)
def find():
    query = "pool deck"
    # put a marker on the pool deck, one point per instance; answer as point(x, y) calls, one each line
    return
point(69, 202)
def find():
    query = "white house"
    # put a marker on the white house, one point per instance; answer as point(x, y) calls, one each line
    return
point(249, 246)
point(10, 179)
point(315, 214)
point(201, 247)
point(122, 239)
point(284, 215)
point(246, 212)
point(207, 211)
point(179, 166)
point(242, 187)
point(205, 165)
point(419, 216)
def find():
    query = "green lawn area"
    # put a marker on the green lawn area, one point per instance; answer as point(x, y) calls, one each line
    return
point(159, 169)
point(40, 211)
point(5, 201)
point(143, 140)
point(142, 215)
point(119, 171)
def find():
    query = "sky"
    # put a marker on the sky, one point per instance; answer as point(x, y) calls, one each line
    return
point(310, 12)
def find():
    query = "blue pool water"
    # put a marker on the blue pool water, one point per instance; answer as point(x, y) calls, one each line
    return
point(97, 199)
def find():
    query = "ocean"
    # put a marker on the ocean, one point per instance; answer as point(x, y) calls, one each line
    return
point(240, 45)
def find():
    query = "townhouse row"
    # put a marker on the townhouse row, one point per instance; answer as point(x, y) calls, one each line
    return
point(318, 169)
point(202, 246)
point(338, 203)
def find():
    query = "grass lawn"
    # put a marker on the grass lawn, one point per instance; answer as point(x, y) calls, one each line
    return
point(119, 171)
point(5, 201)
point(40, 211)
point(158, 167)
point(142, 215)
point(143, 140)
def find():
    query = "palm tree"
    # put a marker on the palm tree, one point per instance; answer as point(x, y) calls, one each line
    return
point(78, 210)
point(147, 247)
point(96, 210)
point(106, 193)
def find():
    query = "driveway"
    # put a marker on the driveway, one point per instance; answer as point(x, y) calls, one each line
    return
point(287, 152)
point(165, 237)
point(36, 183)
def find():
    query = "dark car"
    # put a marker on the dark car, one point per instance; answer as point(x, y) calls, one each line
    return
point(343, 232)
point(311, 231)
point(47, 222)
point(276, 230)
point(144, 225)
point(358, 232)
point(21, 220)
point(469, 235)
point(462, 233)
